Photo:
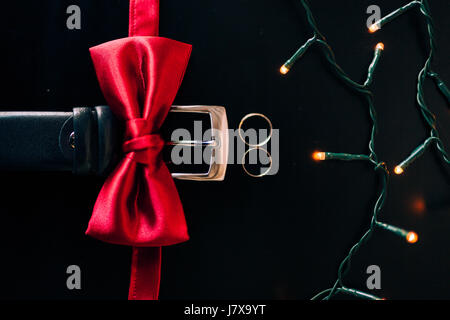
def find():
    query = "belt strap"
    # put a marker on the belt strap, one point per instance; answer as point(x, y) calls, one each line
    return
point(85, 141)
point(35, 140)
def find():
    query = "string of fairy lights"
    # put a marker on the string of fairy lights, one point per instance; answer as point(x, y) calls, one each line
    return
point(380, 166)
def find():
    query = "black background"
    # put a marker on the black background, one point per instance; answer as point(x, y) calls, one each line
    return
point(280, 237)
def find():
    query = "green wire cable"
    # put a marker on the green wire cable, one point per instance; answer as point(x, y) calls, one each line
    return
point(425, 72)
point(372, 157)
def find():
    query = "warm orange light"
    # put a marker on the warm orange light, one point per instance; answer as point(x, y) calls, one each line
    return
point(412, 237)
point(284, 69)
point(380, 46)
point(418, 205)
point(398, 170)
point(318, 156)
point(374, 28)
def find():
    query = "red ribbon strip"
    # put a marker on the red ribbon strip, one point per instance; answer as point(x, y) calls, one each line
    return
point(138, 204)
point(144, 18)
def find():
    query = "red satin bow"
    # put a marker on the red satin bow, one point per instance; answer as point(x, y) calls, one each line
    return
point(139, 205)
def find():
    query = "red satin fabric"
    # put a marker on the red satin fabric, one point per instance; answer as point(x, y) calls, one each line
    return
point(139, 205)
point(145, 274)
point(144, 18)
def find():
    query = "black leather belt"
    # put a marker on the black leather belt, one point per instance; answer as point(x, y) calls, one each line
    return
point(46, 140)
point(85, 141)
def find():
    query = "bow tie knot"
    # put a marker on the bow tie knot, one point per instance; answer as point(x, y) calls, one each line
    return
point(148, 141)
point(140, 145)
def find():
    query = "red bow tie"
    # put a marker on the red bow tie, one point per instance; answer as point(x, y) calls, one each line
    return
point(139, 205)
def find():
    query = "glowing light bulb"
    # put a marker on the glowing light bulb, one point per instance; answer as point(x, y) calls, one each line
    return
point(374, 28)
point(284, 69)
point(318, 156)
point(418, 205)
point(380, 46)
point(412, 237)
point(398, 170)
